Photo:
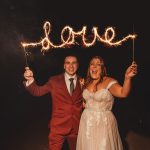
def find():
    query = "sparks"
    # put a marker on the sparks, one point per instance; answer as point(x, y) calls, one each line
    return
point(47, 44)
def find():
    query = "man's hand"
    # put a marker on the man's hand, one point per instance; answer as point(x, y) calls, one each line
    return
point(28, 74)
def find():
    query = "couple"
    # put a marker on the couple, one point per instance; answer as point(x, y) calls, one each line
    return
point(96, 128)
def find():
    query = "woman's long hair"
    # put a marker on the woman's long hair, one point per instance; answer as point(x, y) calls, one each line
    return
point(88, 79)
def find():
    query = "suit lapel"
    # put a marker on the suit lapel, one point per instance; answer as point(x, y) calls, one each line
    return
point(76, 90)
point(64, 85)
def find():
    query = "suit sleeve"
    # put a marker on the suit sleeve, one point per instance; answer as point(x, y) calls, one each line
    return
point(37, 90)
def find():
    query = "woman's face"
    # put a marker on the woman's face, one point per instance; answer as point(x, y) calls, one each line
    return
point(95, 68)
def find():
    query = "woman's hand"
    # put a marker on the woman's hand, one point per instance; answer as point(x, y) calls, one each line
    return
point(131, 71)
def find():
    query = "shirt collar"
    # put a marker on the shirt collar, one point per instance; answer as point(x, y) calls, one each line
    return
point(67, 76)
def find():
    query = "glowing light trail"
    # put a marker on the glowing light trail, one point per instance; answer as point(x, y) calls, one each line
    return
point(107, 38)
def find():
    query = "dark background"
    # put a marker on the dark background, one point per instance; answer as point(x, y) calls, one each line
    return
point(24, 118)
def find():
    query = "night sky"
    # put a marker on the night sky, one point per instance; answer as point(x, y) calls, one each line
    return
point(24, 118)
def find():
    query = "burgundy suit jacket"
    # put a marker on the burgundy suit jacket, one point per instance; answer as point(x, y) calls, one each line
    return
point(66, 109)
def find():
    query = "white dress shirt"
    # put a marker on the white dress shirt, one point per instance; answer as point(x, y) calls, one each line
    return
point(27, 83)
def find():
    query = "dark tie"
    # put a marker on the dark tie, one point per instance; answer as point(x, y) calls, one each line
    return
point(71, 85)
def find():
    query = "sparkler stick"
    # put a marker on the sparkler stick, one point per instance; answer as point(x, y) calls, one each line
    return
point(26, 55)
point(133, 59)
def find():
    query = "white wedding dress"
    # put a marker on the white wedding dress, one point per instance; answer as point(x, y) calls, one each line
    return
point(98, 128)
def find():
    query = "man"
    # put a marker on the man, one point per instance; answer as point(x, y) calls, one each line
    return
point(66, 96)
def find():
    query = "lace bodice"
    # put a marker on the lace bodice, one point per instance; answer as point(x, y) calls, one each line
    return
point(101, 100)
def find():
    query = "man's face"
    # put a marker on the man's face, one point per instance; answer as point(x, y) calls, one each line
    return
point(71, 65)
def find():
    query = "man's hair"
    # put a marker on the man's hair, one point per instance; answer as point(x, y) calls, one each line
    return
point(70, 56)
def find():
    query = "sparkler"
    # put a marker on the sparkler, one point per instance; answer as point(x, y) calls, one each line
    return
point(107, 38)
point(26, 55)
point(133, 55)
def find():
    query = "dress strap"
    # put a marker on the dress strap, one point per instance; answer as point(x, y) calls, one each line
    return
point(110, 84)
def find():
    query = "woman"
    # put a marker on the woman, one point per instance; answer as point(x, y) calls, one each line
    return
point(98, 127)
